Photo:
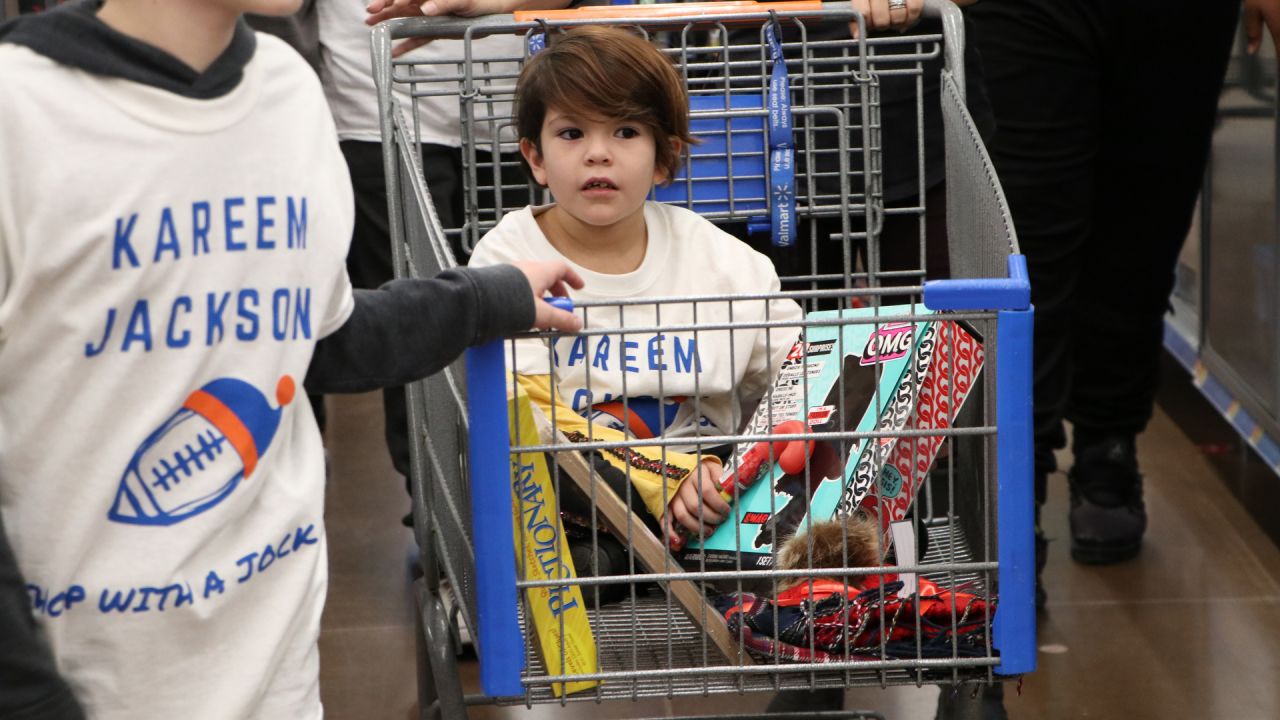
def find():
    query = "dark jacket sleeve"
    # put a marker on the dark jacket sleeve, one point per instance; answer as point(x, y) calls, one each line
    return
point(30, 686)
point(409, 329)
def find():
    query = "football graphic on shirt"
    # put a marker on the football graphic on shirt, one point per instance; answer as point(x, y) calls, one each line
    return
point(641, 417)
point(200, 454)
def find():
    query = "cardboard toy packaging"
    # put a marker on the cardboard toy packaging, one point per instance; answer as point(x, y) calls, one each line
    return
point(885, 376)
point(947, 365)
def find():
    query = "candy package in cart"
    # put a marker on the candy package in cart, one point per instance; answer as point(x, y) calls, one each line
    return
point(855, 370)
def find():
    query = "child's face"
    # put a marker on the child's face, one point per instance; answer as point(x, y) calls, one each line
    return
point(600, 171)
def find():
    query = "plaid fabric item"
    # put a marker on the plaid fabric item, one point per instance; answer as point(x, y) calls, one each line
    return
point(834, 622)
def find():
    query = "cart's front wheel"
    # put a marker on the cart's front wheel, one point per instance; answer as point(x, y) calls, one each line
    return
point(439, 686)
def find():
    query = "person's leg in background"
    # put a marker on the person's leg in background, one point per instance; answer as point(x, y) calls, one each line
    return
point(1041, 59)
point(1100, 154)
point(369, 260)
point(900, 248)
point(1163, 67)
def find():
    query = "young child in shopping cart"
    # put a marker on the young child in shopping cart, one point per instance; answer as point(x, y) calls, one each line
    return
point(174, 222)
point(602, 117)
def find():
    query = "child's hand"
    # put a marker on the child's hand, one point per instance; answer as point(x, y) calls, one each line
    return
point(551, 277)
point(683, 508)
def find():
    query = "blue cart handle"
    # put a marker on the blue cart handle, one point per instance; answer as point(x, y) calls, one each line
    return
point(562, 303)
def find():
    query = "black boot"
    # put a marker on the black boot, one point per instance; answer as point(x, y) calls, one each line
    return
point(1107, 513)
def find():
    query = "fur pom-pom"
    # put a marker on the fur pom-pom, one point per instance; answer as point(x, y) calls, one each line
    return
point(847, 541)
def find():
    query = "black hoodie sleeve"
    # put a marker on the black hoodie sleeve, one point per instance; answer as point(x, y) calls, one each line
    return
point(30, 686)
point(409, 329)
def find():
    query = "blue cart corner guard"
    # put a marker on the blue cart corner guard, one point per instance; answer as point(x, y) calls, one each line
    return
point(1015, 621)
point(1011, 293)
point(499, 642)
point(1014, 627)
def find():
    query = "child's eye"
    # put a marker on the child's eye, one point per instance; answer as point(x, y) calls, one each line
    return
point(627, 133)
point(569, 134)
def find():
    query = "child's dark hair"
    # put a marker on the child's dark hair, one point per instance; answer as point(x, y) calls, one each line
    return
point(611, 73)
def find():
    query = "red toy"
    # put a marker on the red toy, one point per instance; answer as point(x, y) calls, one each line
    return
point(790, 455)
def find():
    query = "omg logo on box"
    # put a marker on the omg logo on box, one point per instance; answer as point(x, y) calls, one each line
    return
point(890, 342)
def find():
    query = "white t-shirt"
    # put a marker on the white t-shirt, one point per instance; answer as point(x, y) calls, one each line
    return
point(678, 383)
point(166, 268)
point(346, 68)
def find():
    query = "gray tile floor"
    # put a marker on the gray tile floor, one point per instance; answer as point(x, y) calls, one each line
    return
point(1189, 630)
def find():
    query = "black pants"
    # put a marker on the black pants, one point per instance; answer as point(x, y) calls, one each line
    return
point(369, 260)
point(1104, 111)
point(899, 246)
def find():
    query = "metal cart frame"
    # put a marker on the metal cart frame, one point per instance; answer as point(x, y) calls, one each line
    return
point(460, 449)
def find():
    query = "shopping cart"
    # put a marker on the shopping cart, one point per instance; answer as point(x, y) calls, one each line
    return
point(668, 626)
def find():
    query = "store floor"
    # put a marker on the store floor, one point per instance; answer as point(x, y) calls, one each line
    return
point(1189, 630)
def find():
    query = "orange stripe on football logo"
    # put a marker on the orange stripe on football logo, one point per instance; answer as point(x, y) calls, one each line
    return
point(635, 424)
point(213, 410)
